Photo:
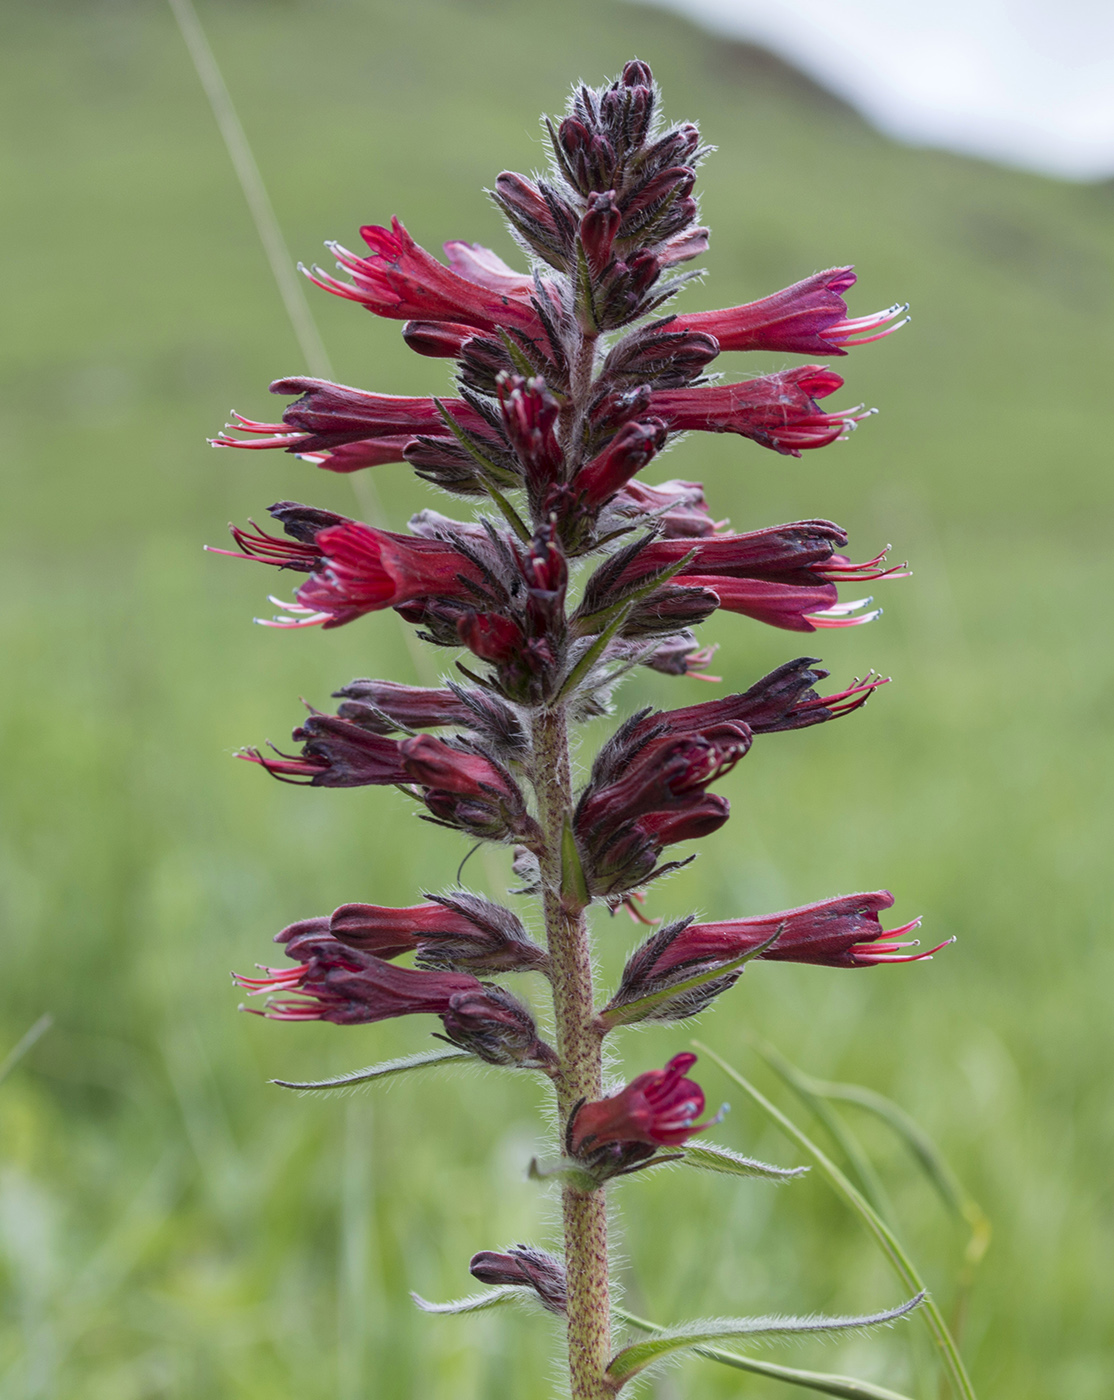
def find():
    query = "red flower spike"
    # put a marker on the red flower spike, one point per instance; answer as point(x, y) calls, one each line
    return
point(659, 1108)
point(365, 570)
point(778, 411)
point(809, 318)
point(841, 932)
point(401, 281)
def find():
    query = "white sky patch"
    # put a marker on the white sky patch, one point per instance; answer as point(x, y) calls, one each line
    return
point(1026, 82)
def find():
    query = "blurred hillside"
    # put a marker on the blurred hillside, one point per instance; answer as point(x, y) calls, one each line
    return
point(170, 1225)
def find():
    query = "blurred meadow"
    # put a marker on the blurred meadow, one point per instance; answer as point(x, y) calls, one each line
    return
point(173, 1226)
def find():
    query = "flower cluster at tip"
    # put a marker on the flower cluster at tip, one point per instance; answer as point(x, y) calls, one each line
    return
point(571, 379)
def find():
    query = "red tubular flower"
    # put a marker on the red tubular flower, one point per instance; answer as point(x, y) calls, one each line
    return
point(334, 983)
point(775, 410)
point(401, 281)
point(809, 318)
point(347, 457)
point(841, 932)
point(659, 1109)
point(364, 570)
point(785, 699)
point(784, 575)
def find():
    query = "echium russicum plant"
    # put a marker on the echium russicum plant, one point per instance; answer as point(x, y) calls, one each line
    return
point(571, 379)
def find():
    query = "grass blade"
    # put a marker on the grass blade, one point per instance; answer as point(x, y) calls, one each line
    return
point(24, 1044)
point(883, 1235)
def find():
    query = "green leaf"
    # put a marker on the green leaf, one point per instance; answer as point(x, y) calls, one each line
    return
point(23, 1045)
point(845, 1386)
point(720, 1159)
point(635, 1358)
point(884, 1237)
point(574, 886)
point(426, 1059)
point(475, 1302)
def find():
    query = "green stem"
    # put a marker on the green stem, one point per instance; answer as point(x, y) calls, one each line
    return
point(580, 1073)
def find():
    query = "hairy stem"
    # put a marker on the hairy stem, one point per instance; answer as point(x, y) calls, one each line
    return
point(583, 363)
point(579, 1077)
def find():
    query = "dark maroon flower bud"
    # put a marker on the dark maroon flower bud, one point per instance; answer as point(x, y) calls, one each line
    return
point(364, 570)
point(841, 932)
point(387, 706)
point(633, 447)
point(335, 983)
point(611, 411)
point(681, 656)
point(439, 340)
point(496, 1027)
point(598, 230)
point(527, 1267)
point(658, 1108)
point(644, 205)
point(652, 971)
point(637, 74)
point(661, 356)
point(539, 216)
point(446, 463)
point(335, 753)
point(667, 609)
point(778, 411)
point(400, 280)
point(530, 415)
point(678, 506)
point(464, 931)
point(809, 318)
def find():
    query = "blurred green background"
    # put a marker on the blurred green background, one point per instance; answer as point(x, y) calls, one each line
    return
point(173, 1226)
